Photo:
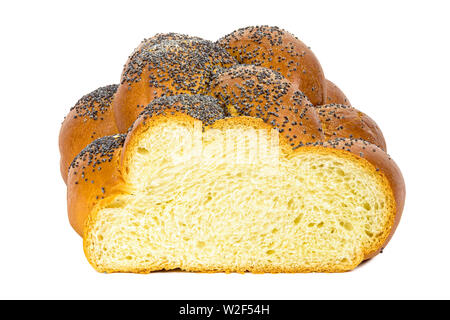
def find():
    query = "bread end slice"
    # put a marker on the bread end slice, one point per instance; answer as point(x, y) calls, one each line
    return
point(236, 208)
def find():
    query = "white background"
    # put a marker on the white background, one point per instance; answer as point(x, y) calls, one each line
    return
point(391, 58)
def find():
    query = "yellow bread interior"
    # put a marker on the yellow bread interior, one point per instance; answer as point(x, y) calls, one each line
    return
point(212, 201)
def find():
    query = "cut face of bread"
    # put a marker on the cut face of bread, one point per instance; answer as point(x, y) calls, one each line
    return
point(207, 199)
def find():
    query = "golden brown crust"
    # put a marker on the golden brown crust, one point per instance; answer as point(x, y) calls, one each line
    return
point(383, 163)
point(93, 175)
point(335, 95)
point(89, 119)
point(248, 90)
point(256, 269)
point(166, 65)
point(340, 121)
point(204, 108)
point(279, 50)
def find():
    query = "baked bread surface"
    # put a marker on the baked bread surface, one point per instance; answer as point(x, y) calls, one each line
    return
point(335, 95)
point(279, 50)
point(247, 90)
point(166, 65)
point(93, 175)
point(91, 118)
point(341, 121)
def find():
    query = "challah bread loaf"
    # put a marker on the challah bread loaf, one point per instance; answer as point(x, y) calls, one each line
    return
point(277, 49)
point(89, 119)
point(261, 166)
point(165, 65)
point(248, 90)
point(93, 175)
point(228, 197)
point(340, 121)
point(335, 95)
